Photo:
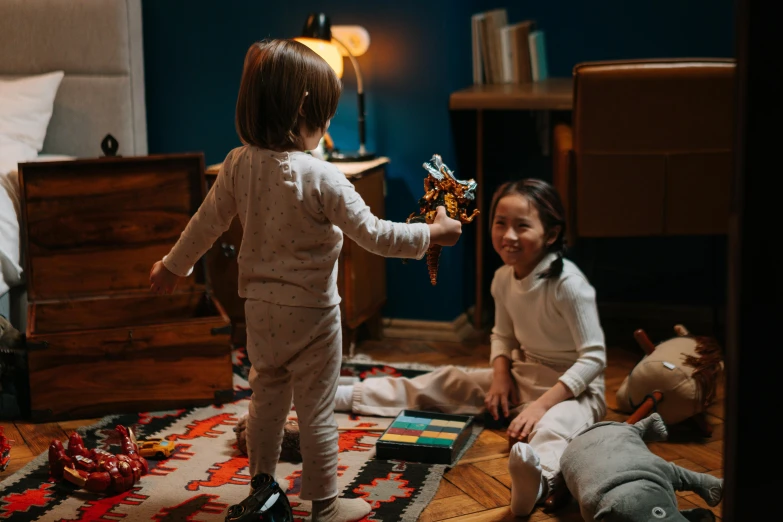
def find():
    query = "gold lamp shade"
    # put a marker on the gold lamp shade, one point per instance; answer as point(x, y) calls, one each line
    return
point(326, 50)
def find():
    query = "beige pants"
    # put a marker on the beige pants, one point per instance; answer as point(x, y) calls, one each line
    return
point(295, 353)
point(451, 390)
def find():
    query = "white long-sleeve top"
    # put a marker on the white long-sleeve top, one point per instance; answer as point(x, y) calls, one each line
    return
point(553, 320)
point(294, 209)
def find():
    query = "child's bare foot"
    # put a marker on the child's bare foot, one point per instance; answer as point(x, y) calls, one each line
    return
point(340, 510)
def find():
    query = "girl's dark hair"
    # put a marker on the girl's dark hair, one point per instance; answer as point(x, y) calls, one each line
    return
point(550, 210)
point(279, 77)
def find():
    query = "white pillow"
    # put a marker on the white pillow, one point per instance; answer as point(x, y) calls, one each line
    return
point(26, 106)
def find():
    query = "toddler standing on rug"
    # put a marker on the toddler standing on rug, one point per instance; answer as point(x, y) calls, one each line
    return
point(547, 348)
point(294, 209)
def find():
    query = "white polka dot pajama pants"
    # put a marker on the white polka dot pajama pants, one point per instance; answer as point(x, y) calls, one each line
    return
point(296, 353)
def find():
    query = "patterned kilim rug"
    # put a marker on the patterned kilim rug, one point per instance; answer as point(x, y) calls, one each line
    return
point(206, 473)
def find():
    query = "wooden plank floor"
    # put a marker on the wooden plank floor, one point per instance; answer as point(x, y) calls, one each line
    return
point(478, 488)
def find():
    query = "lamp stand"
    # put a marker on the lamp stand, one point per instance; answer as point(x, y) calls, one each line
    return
point(362, 154)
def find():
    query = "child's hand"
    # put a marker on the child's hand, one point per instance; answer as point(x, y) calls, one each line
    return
point(502, 394)
point(521, 427)
point(444, 231)
point(162, 280)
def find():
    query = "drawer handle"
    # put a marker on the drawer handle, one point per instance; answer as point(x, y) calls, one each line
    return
point(228, 250)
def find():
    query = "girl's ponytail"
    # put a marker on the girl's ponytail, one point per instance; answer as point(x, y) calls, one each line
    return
point(555, 268)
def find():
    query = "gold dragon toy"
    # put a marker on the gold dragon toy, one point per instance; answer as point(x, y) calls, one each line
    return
point(441, 188)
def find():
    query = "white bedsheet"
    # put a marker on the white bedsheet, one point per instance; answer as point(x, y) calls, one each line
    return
point(11, 260)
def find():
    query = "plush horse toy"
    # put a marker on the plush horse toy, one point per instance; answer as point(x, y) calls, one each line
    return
point(615, 478)
point(681, 373)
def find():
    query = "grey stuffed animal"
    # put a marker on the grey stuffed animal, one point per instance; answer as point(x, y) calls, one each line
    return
point(615, 478)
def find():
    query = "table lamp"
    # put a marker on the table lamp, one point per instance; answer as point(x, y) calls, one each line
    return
point(351, 41)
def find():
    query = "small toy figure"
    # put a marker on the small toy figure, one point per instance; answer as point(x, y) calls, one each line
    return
point(98, 470)
point(615, 477)
point(441, 188)
point(5, 449)
point(267, 503)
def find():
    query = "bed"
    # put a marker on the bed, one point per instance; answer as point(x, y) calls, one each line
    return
point(71, 72)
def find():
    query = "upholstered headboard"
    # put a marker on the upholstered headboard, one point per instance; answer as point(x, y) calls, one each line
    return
point(98, 44)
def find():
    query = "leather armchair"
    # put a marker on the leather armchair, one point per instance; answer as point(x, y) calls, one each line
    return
point(649, 150)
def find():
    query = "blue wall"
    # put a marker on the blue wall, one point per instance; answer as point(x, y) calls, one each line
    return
point(419, 53)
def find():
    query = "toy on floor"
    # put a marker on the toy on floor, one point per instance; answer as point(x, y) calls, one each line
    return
point(289, 451)
point(615, 477)
point(156, 448)
point(267, 503)
point(561, 495)
point(441, 188)
point(684, 369)
point(98, 470)
point(5, 449)
point(420, 436)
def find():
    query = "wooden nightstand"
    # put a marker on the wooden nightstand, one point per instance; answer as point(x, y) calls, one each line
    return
point(361, 277)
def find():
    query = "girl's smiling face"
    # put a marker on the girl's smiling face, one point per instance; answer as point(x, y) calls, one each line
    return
point(518, 235)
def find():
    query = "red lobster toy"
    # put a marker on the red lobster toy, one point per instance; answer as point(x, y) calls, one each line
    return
point(98, 470)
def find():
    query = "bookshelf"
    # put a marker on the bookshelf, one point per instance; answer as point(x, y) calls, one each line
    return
point(552, 94)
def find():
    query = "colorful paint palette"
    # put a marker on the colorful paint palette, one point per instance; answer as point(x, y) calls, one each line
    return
point(420, 436)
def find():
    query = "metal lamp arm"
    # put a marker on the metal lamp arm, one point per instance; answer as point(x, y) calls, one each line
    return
point(359, 93)
point(354, 63)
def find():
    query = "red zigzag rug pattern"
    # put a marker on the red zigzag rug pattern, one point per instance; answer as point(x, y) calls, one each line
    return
point(206, 473)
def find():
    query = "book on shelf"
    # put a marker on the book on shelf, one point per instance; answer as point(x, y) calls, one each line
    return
point(478, 62)
point(487, 67)
point(506, 53)
point(538, 64)
point(519, 51)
